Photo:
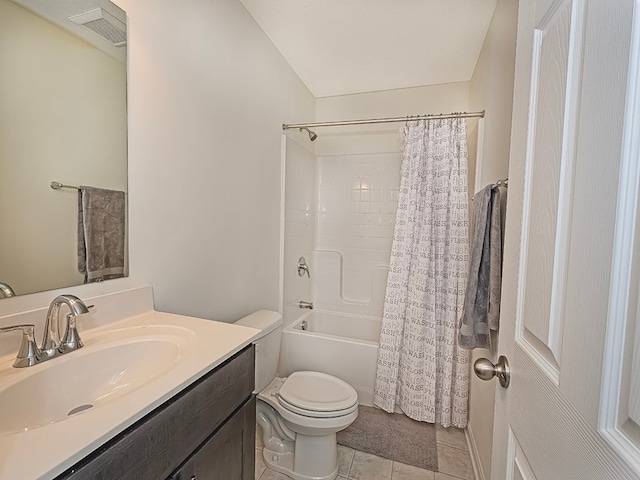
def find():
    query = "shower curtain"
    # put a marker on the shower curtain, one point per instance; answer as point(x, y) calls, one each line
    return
point(420, 367)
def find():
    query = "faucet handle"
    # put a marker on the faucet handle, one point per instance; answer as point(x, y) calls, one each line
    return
point(29, 353)
point(303, 267)
point(71, 340)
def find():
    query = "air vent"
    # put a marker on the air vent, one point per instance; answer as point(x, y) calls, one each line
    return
point(104, 24)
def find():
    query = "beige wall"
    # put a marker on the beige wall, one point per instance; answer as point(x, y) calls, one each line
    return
point(492, 90)
point(208, 93)
point(382, 138)
point(62, 118)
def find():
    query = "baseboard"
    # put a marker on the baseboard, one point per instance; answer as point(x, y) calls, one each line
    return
point(473, 453)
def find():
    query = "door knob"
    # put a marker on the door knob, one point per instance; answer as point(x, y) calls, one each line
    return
point(486, 370)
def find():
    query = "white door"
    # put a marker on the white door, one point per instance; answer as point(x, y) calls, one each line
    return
point(570, 282)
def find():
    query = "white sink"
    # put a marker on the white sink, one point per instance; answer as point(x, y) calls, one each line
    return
point(110, 365)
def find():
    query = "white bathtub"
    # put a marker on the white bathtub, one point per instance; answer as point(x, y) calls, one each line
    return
point(339, 344)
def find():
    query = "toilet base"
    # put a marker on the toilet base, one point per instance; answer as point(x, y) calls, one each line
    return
point(300, 456)
point(284, 463)
point(301, 447)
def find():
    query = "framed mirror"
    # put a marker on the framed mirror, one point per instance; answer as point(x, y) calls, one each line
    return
point(63, 119)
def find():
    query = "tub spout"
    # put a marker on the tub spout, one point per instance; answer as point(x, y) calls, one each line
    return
point(303, 304)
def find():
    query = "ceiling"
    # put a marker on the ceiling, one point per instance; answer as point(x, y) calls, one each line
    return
point(59, 11)
point(339, 47)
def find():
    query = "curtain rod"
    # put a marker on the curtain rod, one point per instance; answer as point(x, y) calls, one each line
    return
point(368, 121)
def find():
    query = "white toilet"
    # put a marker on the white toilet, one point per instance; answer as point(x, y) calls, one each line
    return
point(300, 414)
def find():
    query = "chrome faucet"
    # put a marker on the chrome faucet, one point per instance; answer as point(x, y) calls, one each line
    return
point(6, 290)
point(52, 345)
point(51, 340)
point(303, 304)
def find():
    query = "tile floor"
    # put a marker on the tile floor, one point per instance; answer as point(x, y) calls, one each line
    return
point(453, 461)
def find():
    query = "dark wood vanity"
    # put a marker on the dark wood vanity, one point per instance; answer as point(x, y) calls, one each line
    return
point(206, 432)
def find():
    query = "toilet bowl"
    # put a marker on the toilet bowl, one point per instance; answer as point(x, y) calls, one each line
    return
point(300, 414)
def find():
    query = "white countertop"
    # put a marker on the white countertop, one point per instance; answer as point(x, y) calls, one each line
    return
point(47, 451)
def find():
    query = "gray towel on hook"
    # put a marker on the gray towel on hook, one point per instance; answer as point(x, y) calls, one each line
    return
point(495, 261)
point(481, 310)
point(101, 226)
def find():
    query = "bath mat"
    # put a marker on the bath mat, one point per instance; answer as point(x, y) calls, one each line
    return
point(393, 436)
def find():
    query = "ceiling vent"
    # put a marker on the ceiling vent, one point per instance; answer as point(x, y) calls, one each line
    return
point(104, 24)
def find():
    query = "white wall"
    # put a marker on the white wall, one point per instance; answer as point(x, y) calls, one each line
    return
point(208, 93)
point(62, 118)
point(492, 90)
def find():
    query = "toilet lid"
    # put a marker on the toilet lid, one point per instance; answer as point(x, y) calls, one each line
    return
point(317, 392)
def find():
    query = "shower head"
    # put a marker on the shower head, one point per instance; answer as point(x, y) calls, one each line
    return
point(312, 135)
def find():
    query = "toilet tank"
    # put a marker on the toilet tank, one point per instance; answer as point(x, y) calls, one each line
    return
point(267, 344)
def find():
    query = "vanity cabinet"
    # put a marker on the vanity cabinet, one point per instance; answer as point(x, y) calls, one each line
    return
point(205, 432)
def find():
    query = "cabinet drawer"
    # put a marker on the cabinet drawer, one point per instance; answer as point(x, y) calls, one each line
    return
point(154, 446)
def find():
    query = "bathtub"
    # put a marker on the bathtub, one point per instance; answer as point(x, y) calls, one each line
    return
point(340, 344)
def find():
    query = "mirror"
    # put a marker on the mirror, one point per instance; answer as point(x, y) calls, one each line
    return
point(62, 119)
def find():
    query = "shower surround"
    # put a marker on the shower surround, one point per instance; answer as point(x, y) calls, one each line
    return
point(339, 213)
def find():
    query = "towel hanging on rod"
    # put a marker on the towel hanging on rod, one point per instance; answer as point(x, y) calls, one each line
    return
point(101, 233)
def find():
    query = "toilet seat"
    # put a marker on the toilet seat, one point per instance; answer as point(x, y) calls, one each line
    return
point(314, 414)
point(318, 395)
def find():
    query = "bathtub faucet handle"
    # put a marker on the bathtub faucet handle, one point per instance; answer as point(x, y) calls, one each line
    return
point(303, 304)
point(303, 267)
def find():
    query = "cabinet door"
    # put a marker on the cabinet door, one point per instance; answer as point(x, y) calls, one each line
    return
point(228, 454)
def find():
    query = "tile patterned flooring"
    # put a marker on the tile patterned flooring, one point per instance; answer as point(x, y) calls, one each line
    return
point(453, 461)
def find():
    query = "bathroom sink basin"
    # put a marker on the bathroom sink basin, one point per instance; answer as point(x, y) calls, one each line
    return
point(110, 365)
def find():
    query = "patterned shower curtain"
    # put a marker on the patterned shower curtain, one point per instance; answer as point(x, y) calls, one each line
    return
point(420, 367)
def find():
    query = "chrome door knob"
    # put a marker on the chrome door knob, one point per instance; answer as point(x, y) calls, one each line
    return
point(485, 370)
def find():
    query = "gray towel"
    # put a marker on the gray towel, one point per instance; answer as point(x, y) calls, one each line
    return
point(481, 311)
point(100, 233)
point(495, 261)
